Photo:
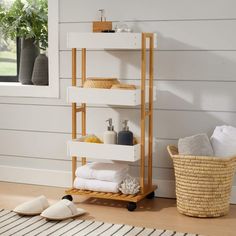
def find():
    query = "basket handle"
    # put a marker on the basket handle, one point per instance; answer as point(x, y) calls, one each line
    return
point(172, 150)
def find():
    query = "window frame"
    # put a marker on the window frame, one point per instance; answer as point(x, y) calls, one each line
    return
point(12, 78)
point(16, 89)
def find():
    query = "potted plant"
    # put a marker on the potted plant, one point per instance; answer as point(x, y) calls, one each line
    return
point(28, 21)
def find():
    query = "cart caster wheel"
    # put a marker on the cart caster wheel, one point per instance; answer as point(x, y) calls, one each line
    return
point(131, 206)
point(68, 197)
point(150, 195)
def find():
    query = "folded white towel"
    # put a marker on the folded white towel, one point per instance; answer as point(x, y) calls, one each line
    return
point(96, 185)
point(223, 141)
point(196, 145)
point(113, 172)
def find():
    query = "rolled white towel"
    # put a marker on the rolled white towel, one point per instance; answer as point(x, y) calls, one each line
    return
point(223, 141)
point(196, 145)
point(113, 172)
point(96, 185)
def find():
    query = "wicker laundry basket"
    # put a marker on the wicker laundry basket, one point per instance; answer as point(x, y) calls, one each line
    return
point(203, 184)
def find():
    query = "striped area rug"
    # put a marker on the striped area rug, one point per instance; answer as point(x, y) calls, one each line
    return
point(13, 224)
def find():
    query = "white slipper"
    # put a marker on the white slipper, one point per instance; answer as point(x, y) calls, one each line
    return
point(33, 207)
point(62, 210)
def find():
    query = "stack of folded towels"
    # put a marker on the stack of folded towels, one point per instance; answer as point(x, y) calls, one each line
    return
point(102, 177)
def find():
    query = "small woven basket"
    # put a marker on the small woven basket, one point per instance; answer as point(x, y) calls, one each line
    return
point(103, 83)
point(203, 184)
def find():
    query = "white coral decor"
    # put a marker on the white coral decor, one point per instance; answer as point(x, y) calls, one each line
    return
point(130, 185)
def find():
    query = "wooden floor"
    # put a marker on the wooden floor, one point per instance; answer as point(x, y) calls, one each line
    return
point(158, 213)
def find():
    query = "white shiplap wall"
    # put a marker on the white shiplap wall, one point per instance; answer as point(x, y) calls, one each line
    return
point(194, 71)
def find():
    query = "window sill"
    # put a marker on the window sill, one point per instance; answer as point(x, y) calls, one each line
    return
point(16, 89)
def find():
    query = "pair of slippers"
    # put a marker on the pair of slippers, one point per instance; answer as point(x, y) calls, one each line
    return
point(62, 210)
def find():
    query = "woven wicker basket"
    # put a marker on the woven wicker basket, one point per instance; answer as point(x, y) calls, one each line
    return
point(203, 184)
point(103, 83)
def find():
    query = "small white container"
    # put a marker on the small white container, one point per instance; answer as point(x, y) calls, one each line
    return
point(121, 97)
point(101, 151)
point(110, 136)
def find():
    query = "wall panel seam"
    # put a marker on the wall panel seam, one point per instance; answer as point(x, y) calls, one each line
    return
point(118, 107)
point(163, 50)
point(69, 161)
point(155, 20)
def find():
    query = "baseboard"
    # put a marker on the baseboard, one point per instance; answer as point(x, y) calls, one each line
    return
point(166, 188)
point(233, 195)
point(35, 176)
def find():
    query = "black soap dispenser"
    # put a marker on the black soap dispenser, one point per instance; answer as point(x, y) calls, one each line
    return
point(125, 137)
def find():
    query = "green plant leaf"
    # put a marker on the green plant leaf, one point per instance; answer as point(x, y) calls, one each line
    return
point(26, 20)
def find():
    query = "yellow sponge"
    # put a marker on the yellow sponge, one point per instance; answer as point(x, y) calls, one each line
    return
point(92, 139)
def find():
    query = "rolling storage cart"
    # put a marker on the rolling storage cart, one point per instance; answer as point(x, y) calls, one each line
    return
point(141, 96)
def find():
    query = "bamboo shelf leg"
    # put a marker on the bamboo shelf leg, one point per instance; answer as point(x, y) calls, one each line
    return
point(74, 128)
point(150, 108)
point(143, 112)
point(83, 70)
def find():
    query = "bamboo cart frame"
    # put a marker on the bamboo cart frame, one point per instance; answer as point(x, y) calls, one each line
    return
point(147, 189)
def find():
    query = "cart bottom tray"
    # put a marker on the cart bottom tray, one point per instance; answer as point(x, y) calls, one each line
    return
point(114, 196)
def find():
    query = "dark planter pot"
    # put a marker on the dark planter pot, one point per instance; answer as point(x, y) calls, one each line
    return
point(40, 71)
point(29, 52)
